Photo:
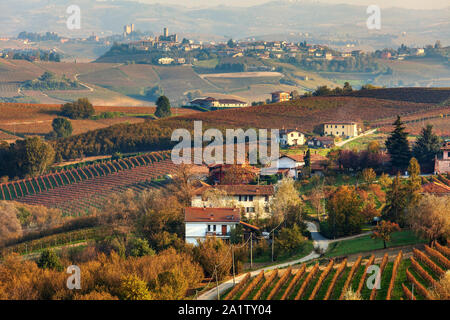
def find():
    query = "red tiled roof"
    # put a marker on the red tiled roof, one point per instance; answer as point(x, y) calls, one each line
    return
point(340, 122)
point(212, 215)
point(241, 189)
point(436, 188)
point(295, 157)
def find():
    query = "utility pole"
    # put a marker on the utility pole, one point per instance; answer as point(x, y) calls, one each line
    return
point(217, 285)
point(273, 241)
point(251, 250)
point(234, 277)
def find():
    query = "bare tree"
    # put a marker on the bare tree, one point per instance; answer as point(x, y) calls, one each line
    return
point(430, 218)
point(10, 227)
point(286, 196)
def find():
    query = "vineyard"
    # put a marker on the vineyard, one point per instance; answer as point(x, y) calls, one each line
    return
point(424, 95)
point(76, 190)
point(306, 113)
point(401, 278)
point(438, 117)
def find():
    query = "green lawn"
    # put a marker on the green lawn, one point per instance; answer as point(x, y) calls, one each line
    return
point(366, 243)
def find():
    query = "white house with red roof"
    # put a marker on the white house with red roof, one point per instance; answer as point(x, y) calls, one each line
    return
point(210, 222)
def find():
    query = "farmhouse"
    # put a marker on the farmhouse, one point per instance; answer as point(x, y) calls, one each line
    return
point(321, 142)
point(340, 129)
point(294, 164)
point(291, 138)
point(212, 103)
point(252, 199)
point(442, 165)
point(165, 61)
point(201, 223)
point(280, 96)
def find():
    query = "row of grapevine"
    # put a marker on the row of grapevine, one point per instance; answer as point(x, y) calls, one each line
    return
point(305, 283)
point(408, 293)
point(238, 287)
point(442, 249)
point(417, 285)
point(337, 275)
point(252, 285)
point(280, 283)
point(363, 278)
point(397, 262)
point(384, 262)
point(438, 256)
point(350, 277)
point(321, 279)
point(266, 284)
point(419, 255)
point(294, 282)
point(18, 189)
point(422, 272)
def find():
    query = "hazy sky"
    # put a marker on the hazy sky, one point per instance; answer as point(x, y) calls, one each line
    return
point(411, 4)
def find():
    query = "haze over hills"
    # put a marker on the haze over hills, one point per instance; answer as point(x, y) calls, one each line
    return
point(322, 21)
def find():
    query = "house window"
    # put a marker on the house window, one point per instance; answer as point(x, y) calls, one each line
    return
point(343, 127)
point(209, 228)
point(250, 198)
point(250, 209)
point(214, 228)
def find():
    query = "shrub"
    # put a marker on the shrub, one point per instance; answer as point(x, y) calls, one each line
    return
point(49, 260)
point(133, 288)
point(80, 109)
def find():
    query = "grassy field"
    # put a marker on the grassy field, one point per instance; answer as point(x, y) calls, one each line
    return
point(367, 244)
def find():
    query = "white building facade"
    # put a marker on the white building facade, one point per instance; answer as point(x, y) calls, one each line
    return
point(201, 223)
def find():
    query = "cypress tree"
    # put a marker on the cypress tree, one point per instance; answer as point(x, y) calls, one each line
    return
point(396, 202)
point(163, 107)
point(426, 148)
point(414, 184)
point(398, 146)
point(308, 159)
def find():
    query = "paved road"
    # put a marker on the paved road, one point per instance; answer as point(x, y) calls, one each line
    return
point(340, 144)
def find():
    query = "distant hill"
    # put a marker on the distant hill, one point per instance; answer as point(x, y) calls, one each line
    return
point(289, 18)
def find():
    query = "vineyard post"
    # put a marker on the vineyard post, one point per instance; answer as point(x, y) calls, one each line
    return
point(273, 241)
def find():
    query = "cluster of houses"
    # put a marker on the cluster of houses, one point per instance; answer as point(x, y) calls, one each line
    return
point(331, 129)
point(217, 208)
